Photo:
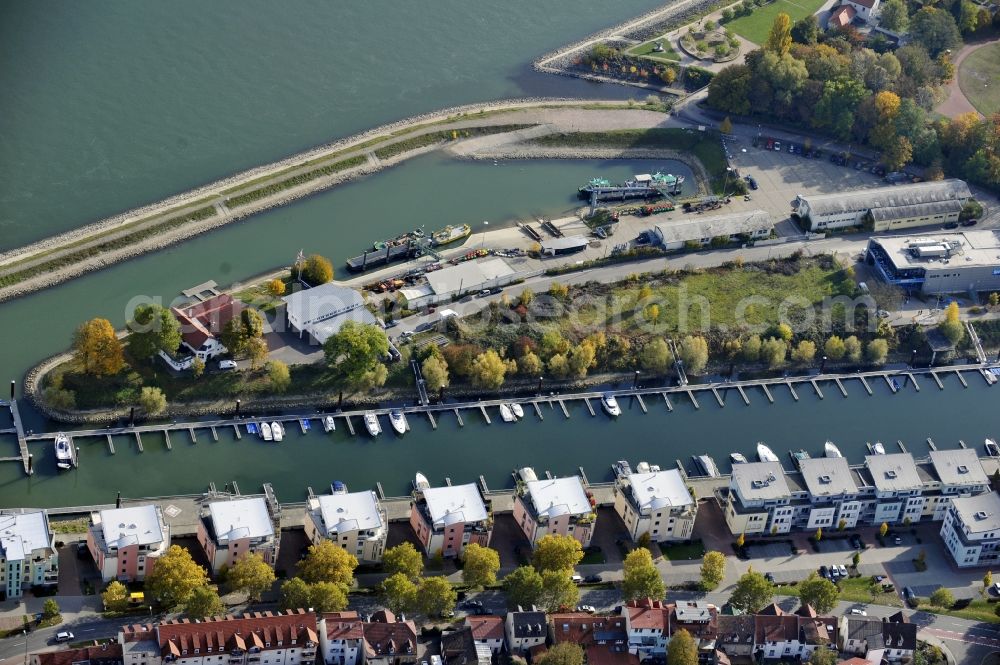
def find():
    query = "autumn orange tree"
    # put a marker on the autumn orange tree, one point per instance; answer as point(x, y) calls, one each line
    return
point(97, 348)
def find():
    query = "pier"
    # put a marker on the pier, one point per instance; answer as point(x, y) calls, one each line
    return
point(590, 407)
point(868, 388)
point(642, 405)
point(913, 380)
point(937, 380)
point(565, 411)
point(792, 389)
point(718, 397)
point(666, 400)
point(891, 383)
point(458, 415)
point(482, 409)
point(840, 384)
point(816, 388)
point(961, 378)
point(743, 394)
point(694, 400)
point(538, 410)
point(767, 392)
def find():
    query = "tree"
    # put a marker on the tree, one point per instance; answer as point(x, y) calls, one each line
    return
point(399, 593)
point(251, 323)
point(942, 597)
point(752, 593)
point(488, 370)
point(60, 398)
point(694, 354)
point(682, 650)
point(197, 368)
point(713, 569)
point(852, 347)
point(818, 592)
point(557, 290)
point(773, 351)
point(839, 101)
point(935, 30)
point(726, 126)
point(436, 596)
point(806, 30)
point(232, 337)
point(988, 580)
point(558, 366)
point(295, 594)
point(356, 352)
point(555, 552)
point(883, 529)
point(818, 536)
point(50, 608)
point(804, 352)
point(277, 371)
point(741, 540)
point(751, 349)
point(115, 597)
point(529, 364)
point(564, 653)
point(317, 270)
point(97, 348)
point(481, 565)
point(898, 153)
point(152, 400)
point(779, 40)
point(729, 90)
point(581, 358)
point(856, 559)
point(823, 656)
point(523, 586)
point(276, 288)
point(952, 327)
point(327, 597)
point(553, 343)
point(174, 577)
point(895, 16)
point(250, 575)
point(256, 350)
point(153, 328)
point(877, 351)
point(326, 562)
point(641, 579)
point(558, 590)
point(527, 295)
point(403, 558)
point(435, 371)
point(656, 356)
point(204, 602)
point(834, 348)
point(784, 332)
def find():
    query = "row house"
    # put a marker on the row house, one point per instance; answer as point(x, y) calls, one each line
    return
point(446, 519)
point(28, 557)
point(782, 636)
point(650, 624)
point(735, 636)
point(555, 506)
point(255, 638)
point(604, 639)
point(341, 638)
point(524, 630)
point(459, 647)
point(345, 639)
point(971, 530)
point(231, 528)
point(125, 542)
point(356, 521)
point(487, 630)
point(656, 504)
point(104, 654)
point(893, 639)
point(759, 499)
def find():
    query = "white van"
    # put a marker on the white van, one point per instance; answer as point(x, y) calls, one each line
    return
point(446, 314)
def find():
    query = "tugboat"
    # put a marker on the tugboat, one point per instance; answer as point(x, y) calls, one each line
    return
point(450, 234)
point(64, 452)
point(610, 405)
point(765, 454)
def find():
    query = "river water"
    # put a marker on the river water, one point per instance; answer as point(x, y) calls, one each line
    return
point(107, 106)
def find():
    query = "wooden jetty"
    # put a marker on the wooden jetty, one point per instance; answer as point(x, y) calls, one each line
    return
point(840, 384)
point(889, 383)
point(961, 378)
point(138, 440)
point(430, 417)
point(792, 389)
point(902, 448)
point(743, 394)
point(815, 386)
point(666, 400)
point(694, 400)
point(718, 397)
point(767, 392)
point(913, 380)
point(937, 380)
point(215, 434)
point(22, 442)
point(166, 439)
point(868, 388)
point(930, 443)
point(350, 425)
point(239, 435)
point(194, 435)
point(111, 445)
point(642, 405)
point(562, 405)
point(461, 423)
point(538, 410)
point(590, 407)
point(482, 410)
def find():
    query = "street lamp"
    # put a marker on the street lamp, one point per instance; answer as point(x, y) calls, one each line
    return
point(635, 379)
point(482, 240)
point(822, 365)
point(540, 385)
point(237, 408)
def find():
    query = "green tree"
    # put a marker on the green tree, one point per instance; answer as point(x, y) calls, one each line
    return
point(232, 337)
point(399, 593)
point(751, 349)
point(529, 364)
point(581, 359)
point(97, 348)
point(856, 559)
point(895, 16)
point(818, 536)
point(726, 126)
point(729, 90)
point(898, 153)
point(656, 356)
point(356, 352)
point(50, 608)
point(250, 575)
point(256, 350)
point(641, 579)
point(779, 40)
point(694, 353)
point(527, 295)
point(988, 579)
point(327, 597)
point(295, 594)
point(552, 343)
point(883, 529)
point(280, 377)
point(317, 270)
point(852, 348)
point(403, 558)
point(819, 593)
point(152, 329)
point(877, 351)
point(435, 371)
point(436, 596)
point(564, 653)
point(942, 597)
point(935, 30)
point(773, 351)
point(59, 398)
point(481, 565)
point(806, 30)
point(682, 650)
point(174, 577)
point(804, 352)
point(785, 332)
point(326, 562)
point(713, 569)
point(115, 597)
point(197, 368)
point(752, 593)
point(556, 552)
point(152, 400)
point(823, 656)
point(204, 602)
point(952, 327)
point(558, 590)
point(557, 290)
point(558, 366)
point(523, 587)
point(834, 348)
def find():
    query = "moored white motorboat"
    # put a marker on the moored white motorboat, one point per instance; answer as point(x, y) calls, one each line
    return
point(610, 405)
point(338, 487)
point(622, 468)
point(506, 414)
point(265, 431)
point(707, 465)
point(329, 424)
point(992, 449)
point(398, 421)
point(277, 431)
point(765, 454)
point(831, 450)
point(526, 474)
point(517, 410)
point(737, 458)
point(371, 422)
point(420, 481)
point(64, 452)
point(878, 448)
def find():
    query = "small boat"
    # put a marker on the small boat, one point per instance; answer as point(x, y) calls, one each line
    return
point(506, 414)
point(252, 428)
point(517, 410)
point(992, 449)
point(64, 452)
point(707, 465)
point(398, 421)
point(338, 487)
point(621, 468)
point(420, 482)
point(277, 431)
point(526, 474)
point(329, 424)
point(798, 456)
point(737, 458)
point(371, 422)
point(265, 431)
point(450, 234)
point(831, 450)
point(765, 454)
point(304, 423)
point(895, 385)
point(878, 448)
point(610, 405)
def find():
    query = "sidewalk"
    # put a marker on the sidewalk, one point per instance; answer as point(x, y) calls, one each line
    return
point(71, 607)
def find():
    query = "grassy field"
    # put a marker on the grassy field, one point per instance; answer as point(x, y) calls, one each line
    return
point(977, 610)
point(858, 590)
point(979, 78)
point(756, 26)
point(682, 552)
point(645, 50)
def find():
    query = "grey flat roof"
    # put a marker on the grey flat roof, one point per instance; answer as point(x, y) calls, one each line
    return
point(659, 489)
point(569, 242)
point(21, 533)
point(454, 504)
point(887, 197)
point(240, 518)
point(710, 227)
point(828, 476)
point(355, 511)
point(941, 250)
point(894, 473)
point(903, 212)
point(323, 309)
point(760, 481)
point(979, 513)
point(468, 275)
point(135, 525)
point(959, 466)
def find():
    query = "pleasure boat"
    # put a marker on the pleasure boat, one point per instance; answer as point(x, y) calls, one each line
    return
point(878, 448)
point(737, 458)
point(265, 431)
point(526, 474)
point(64, 452)
point(798, 456)
point(831, 450)
point(329, 424)
point(517, 410)
point(398, 421)
point(992, 449)
point(277, 431)
point(371, 422)
point(506, 414)
point(338, 487)
point(610, 405)
point(420, 482)
point(707, 465)
point(621, 468)
point(765, 454)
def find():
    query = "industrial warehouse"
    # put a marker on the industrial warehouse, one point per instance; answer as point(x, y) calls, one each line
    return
point(967, 262)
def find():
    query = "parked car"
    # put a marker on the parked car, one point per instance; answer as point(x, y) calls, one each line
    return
point(752, 181)
point(770, 144)
point(909, 596)
point(227, 364)
point(593, 579)
point(769, 577)
point(970, 222)
point(856, 542)
point(897, 540)
point(64, 636)
point(589, 609)
point(824, 572)
point(951, 225)
point(842, 570)
point(877, 578)
point(858, 613)
point(577, 579)
point(405, 335)
point(777, 146)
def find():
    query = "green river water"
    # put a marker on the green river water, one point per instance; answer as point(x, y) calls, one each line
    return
point(108, 105)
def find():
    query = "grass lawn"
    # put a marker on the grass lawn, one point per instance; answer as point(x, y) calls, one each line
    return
point(979, 78)
point(858, 590)
point(593, 557)
point(977, 610)
point(756, 26)
point(682, 552)
point(645, 50)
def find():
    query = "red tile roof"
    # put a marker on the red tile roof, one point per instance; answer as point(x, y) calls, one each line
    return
point(384, 634)
point(606, 655)
point(105, 655)
point(585, 629)
point(202, 321)
point(255, 629)
point(841, 16)
point(485, 627)
point(343, 626)
point(648, 613)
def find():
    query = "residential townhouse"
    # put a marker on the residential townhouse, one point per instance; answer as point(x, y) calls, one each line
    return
point(28, 557)
point(487, 630)
point(650, 624)
point(700, 619)
point(603, 638)
point(231, 528)
point(104, 654)
point(446, 519)
point(390, 640)
point(255, 638)
point(759, 499)
point(735, 636)
point(525, 630)
point(341, 638)
point(555, 506)
point(655, 503)
point(356, 521)
point(971, 530)
point(459, 647)
point(125, 542)
point(893, 639)
point(783, 636)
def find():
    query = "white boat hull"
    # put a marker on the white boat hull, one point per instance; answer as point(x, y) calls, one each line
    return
point(517, 410)
point(265, 431)
point(765, 454)
point(371, 423)
point(329, 424)
point(506, 414)
point(398, 422)
point(277, 431)
point(610, 406)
